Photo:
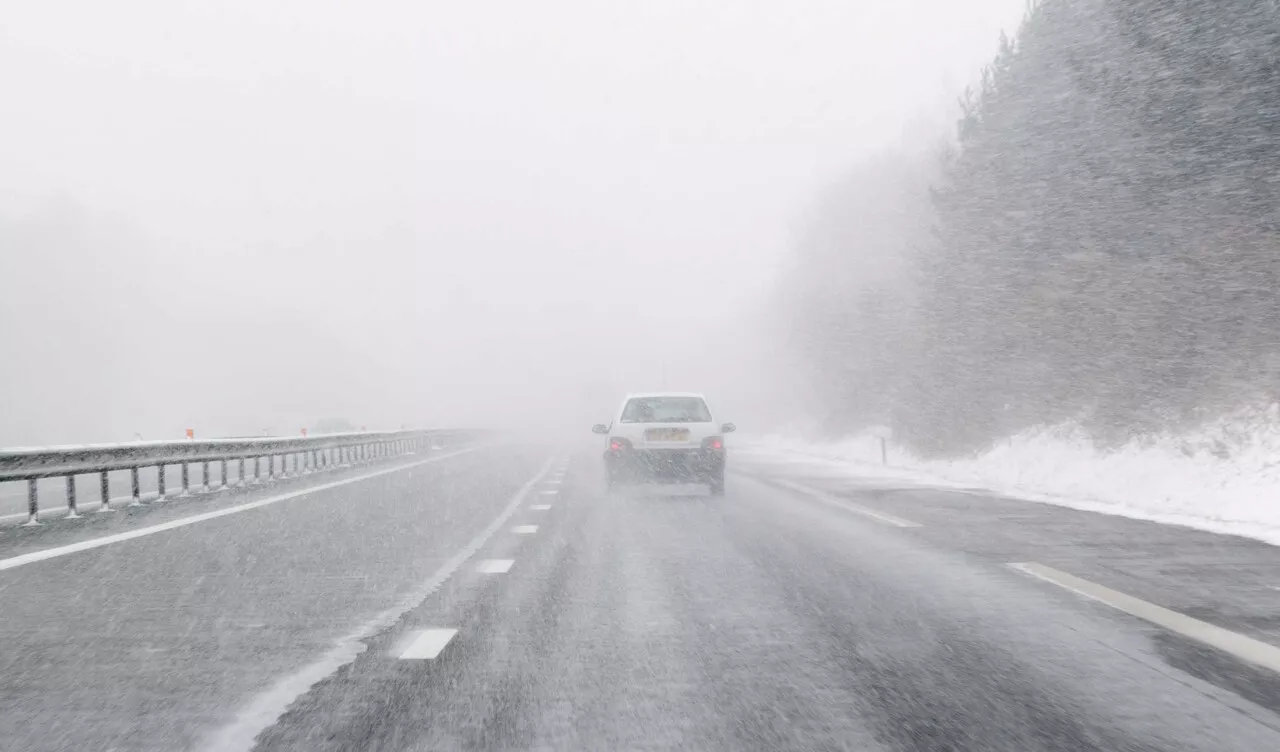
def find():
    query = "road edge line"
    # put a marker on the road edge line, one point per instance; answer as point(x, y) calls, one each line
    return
point(849, 506)
point(1245, 648)
point(44, 554)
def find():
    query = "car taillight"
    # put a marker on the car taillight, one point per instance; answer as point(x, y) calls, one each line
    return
point(619, 445)
point(713, 442)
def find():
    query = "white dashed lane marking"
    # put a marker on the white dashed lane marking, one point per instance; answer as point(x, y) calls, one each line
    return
point(540, 507)
point(548, 493)
point(427, 644)
point(495, 566)
point(524, 529)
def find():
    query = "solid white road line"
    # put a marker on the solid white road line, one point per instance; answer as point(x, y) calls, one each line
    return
point(540, 507)
point(495, 566)
point(85, 545)
point(524, 529)
point(1245, 648)
point(427, 644)
point(267, 707)
point(825, 498)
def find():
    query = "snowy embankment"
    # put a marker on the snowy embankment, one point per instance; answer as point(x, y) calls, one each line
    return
point(1224, 478)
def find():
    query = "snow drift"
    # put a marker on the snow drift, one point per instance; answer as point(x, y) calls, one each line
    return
point(1223, 477)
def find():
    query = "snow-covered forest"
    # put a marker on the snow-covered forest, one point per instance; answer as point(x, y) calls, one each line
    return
point(1095, 245)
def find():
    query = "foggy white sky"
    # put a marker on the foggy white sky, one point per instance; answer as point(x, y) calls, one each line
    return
point(421, 212)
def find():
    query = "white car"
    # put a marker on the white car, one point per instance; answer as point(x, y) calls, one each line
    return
point(666, 436)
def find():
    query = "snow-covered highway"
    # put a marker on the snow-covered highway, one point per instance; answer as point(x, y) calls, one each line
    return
point(501, 599)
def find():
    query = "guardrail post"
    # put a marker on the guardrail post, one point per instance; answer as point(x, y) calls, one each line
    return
point(224, 475)
point(160, 483)
point(33, 504)
point(72, 512)
point(105, 489)
point(257, 470)
point(186, 481)
point(205, 473)
point(240, 479)
point(137, 487)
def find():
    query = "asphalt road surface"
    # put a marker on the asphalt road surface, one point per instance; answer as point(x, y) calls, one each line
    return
point(499, 598)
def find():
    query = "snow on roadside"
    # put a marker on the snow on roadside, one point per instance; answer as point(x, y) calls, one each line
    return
point(1225, 478)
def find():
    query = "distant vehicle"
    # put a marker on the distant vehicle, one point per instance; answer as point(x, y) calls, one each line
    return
point(666, 436)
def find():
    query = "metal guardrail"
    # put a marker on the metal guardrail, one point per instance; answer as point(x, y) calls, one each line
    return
point(309, 454)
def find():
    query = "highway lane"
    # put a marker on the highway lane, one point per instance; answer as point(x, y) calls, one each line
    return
point(654, 619)
point(539, 612)
point(152, 643)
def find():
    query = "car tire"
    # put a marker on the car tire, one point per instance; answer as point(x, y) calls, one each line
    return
point(717, 486)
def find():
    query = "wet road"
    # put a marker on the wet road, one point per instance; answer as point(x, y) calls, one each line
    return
point(501, 599)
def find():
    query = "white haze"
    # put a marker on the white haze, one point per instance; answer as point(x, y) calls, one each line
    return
point(248, 216)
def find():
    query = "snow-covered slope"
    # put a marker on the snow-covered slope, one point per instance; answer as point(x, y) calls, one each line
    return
point(1224, 478)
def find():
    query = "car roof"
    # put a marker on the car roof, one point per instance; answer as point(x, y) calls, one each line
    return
point(665, 394)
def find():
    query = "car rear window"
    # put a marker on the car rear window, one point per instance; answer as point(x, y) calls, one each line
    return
point(666, 410)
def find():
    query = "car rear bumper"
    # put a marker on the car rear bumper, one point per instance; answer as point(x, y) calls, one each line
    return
point(659, 464)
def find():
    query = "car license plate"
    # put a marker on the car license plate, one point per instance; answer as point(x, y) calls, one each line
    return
point(666, 434)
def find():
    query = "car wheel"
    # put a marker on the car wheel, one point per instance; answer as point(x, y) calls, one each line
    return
point(717, 486)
